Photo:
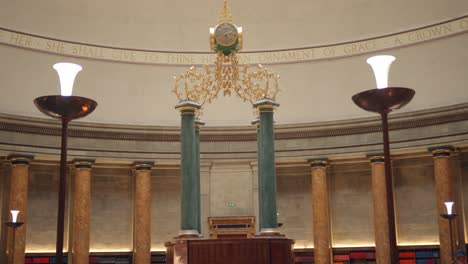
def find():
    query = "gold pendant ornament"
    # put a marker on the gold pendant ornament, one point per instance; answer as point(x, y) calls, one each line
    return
point(203, 84)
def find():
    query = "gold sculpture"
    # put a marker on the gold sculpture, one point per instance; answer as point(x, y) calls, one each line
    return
point(203, 84)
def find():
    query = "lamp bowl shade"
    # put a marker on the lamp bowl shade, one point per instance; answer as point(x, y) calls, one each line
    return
point(69, 107)
point(384, 100)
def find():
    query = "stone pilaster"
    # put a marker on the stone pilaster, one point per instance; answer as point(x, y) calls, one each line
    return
point(321, 212)
point(18, 201)
point(189, 226)
point(444, 186)
point(383, 249)
point(81, 209)
point(266, 168)
point(198, 124)
point(142, 213)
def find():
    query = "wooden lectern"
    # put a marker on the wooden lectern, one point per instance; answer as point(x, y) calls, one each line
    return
point(232, 241)
point(232, 226)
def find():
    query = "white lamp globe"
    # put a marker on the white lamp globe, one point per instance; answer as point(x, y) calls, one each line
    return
point(381, 66)
point(67, 72)
point(449, 206)
point(14, 215)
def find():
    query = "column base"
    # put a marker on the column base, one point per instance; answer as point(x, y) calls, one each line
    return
point(269, 232)
point(187, 234)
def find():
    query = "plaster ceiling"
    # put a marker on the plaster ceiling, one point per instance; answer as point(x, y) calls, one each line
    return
point(318, 90)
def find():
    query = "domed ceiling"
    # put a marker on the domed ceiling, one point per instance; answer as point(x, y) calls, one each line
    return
point(131, 50)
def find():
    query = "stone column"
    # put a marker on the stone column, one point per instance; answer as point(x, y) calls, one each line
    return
point(444, 186)
point(18, 201)
point(266, 168)
point(321, 212)
point(256, 192)
point(198, 124)
point(81, 208)
point(189, 198)
point(142, 213)
point(379, 195)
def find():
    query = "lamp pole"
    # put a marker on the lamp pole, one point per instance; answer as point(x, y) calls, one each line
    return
point(450, 218)
point(66, 108)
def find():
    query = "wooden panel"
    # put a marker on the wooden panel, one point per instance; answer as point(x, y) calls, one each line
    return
point(232, 251)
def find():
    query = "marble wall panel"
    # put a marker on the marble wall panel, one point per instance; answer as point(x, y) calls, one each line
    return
point(41, 231)
point(294, 202)
point(111, 216)
point(232, 182)
point(351, 205)
point(415, 203)
point(165, 209)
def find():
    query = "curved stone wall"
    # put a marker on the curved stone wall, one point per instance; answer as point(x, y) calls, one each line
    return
point(229, 175)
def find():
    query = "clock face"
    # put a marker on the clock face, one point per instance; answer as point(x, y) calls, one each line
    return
point(226, 34)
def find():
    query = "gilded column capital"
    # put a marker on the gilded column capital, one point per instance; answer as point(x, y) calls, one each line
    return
point(187, 106)
point(20, 159)
point(318, 163)
point(266, 104)
point(376, 157)
point(441, 151)
point(256, 122)
point(83, 163)
point(143, 165)
point(199, 123)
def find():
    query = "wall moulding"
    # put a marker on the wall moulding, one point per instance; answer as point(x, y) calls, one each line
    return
point(416, 36)
point(399, 121)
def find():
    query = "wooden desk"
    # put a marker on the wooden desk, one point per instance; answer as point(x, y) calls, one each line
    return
point(259, 250)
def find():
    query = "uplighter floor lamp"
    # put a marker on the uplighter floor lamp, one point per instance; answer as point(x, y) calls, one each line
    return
point(14, 224)
point(66, 108)
point(384, 100)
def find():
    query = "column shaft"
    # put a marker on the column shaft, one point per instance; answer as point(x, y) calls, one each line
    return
point(18, 201)
point(198, 124)
point(189, 196)
point(142, 214)
point(266, 168)
point(321, 214)
point(381, 224)
point(81, 208)
point(444, 192)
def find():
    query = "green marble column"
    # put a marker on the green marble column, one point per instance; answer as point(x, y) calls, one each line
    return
point(256, 123)
point(198, 124)
point(189, 198)
point(266, 168)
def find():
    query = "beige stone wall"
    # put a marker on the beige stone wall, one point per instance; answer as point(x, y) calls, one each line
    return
point(295, 208)
point(41, 232)
point(351, 205)
point(165, 209)
point(111, 214)
point(415, 203)
point(232, 182)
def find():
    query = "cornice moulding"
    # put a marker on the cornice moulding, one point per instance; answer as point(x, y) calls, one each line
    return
point(424, 118)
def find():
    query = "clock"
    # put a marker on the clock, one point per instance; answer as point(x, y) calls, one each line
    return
point(226, 34)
